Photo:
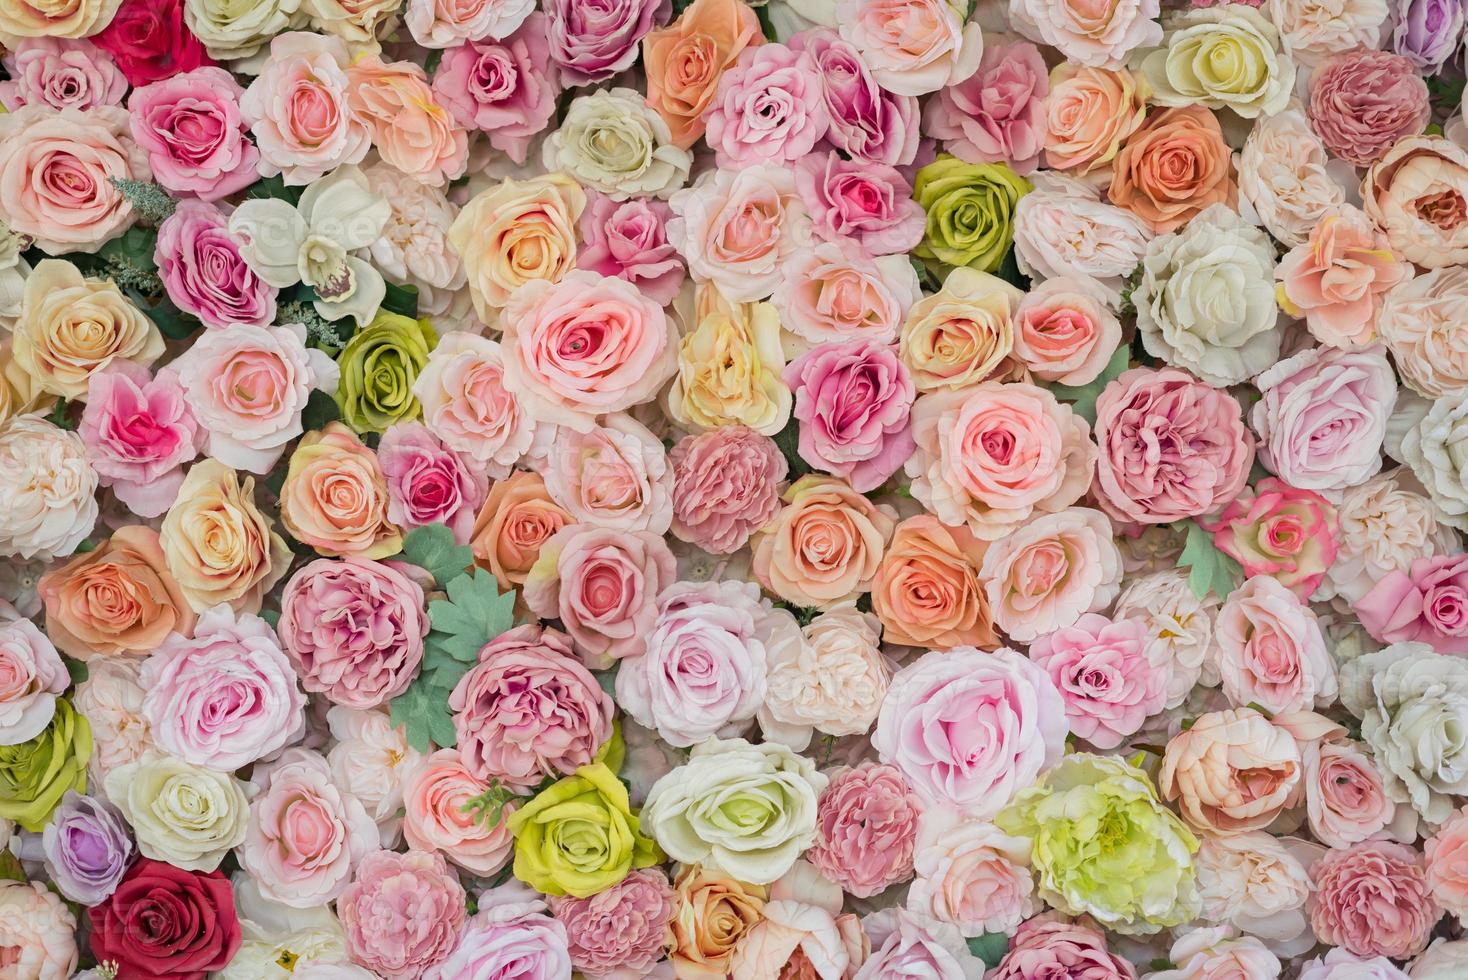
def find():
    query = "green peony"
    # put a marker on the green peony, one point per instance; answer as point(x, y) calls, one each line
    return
point(35, 775)
point(378, 368)
point(970, 209)
point(1103, 845)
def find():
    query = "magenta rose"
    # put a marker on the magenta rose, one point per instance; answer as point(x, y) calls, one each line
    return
point(1362, 101)
point(622, 928)
point(428, 483)
point(402, 913)
point(139, 432)
point(996, 115)
point(150, 41)
point(1051, 945)
point(354, 629)
point(592, 40)
point(1373, 900)
point(768, 108)
point(1271, 651)
point(866, 826)
point(1101, 669)
point(203, 272)
point(506, 89)
point(867, 122)
point(1427, 604)
point(726, 486)
point(869, 203)
point(191, 128)
point(629, 240)
point(61, 72)
point(1280, 531)
point(853, 401)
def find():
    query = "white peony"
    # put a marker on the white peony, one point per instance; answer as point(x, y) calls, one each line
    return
point(833, 682)
point(1436, 450)
point(1179, 626)
point(48, 488)
point(1383, 526)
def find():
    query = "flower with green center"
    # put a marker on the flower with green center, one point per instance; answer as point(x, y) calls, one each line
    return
point(970, 208)
point(579, 836)
point(1103, 845)
point(378, 368)
point(35, 775)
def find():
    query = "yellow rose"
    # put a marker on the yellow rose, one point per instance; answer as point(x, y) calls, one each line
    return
point(19, 393)
point(54, 18)
point(1225, 57)
point(958, 336)
point(514, 232)
point(70, 328)
point(218, 545)
point(729, 368)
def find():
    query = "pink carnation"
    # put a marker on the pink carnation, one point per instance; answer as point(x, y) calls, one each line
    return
point(622, 928)
point(426, 482)
point(1052, 945)
point(726, 486)
point(402, 913)
point(1428, 604)
point(1373, 899)
point(139, 432)
point(204, 273)
point(629, 240)
point(1102, 671)
point(1271, 650)
point(61, 73)
point(1362, 101)
point(191, 127)
point(506, 89)
point(996, 115)
point(868, 203)
point(767, 108)
point(1279, 531)
point(866, 826)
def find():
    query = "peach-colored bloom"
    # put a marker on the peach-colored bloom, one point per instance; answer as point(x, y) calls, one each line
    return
point(1337, 278)
point(713, 914)
point(927, 591)
point(410, 129)
point(335, 496)
point(1231, 772)
point(824, 546)
point(1065, 330)
point(439, 816)
point(1050, 571)
point(1447, 863)
point(1417, 193)
point(960, 335)
point(517, 519)
point(1174, 166)
point(1088, 115)
point(685, 60)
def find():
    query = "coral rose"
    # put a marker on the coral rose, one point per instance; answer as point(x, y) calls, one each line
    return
point(1173, 167)
point(825, 544)
point(927, 591)
point(518, 518)
point(685, 60)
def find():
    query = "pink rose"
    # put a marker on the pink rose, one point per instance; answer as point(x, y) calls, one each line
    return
point(439, 816)
point(1050, 572)
point(427, 483)
point(528, 709)
point(1065, 330)
point(726, 486)
point(354, 629)
point(1345, 799)
point(913, 46)
point(971, 875)
point(1101, 669)
point(443, 23)
point(247, 387)
point(1428, 605)
point(1171, 447)
point(1096, 37)
point(996, 115)
point(1362, 101)
point(1271, 651)
point(191, 127)
point(766, 109)
point(602, 584)
point(31, 675)
point(907, 945)
point(1281, 532)
point(506, 89)
point(63, 73)
point(510, 936)
point(1339, 964)
point(1337, 279)
point(1373, 899)
point(204, 273)
point(1051, 945)
point(869, 123)
point(297, 109)
point(225, 698)
point(616, 475)
point(866, 829)
point(868, 203)
point(305, 834)
point(585, 346)
point(629, 240)
point(139, 432)
point(402, 913)
point(1217, 953)
point(945, 704)
point(591, 42)
point(836, 291)
point(466, 404)
point(1447, 863)
point(622, 930)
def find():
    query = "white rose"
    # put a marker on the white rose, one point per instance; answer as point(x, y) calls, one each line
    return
point(1282, 174)
point(913, 47)
point(612, 141)
point(369, 761)
point(233, 30)
point(1062, 228)
point(1384, 525)
point(1445, 959)
point(48, 487)
point(1225, 57)
point(834, 682)
point(1179, 627)
point(1254, 882)
point(1314, 29)
point(1436, 449)
point(414, 247)
point(182, 814)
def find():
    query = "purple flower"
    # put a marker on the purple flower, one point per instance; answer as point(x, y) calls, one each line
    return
point(869, 203)
point(1428, 32)
point(201, 267)
point(867, 122)
point(504, 88)
point(592, 40)
point(852, 400)
point(87, 848)
point(629, 240)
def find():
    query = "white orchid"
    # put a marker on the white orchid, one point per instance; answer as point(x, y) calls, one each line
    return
point(314, 241)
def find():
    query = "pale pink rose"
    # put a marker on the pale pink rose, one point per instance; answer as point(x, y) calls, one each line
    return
point(191, 127)
point(466, 404)
point(971, 875)
point(402, 913)
point(1062, 228)
point(1258, 884)
point(1338, 277)
point(866, 829)
point(61, 73)
point(1340, 964)
point(1446, 853)
point(629, 240)
point(139, 431)
point(204, 273)
point(995, 455)
point(369, 760)
point(907, 945)
point(1065, 330)
point(836, 292)
point(225, 698)
point(443, 23)
point(439, 816)
point(411, 130)
point(31, 675)
point(297, 109)
point(1101, 669)
point(1271, 651)
point(947, 702)
point(38, 932)
point(832, 683)
point(1344, 796)
point(1050, 572)
point(868, 203)
point(511, 935)
point(767, 108)
point(1051, 945)
point(585, 346)
point(305, 835)
point(1419, 324)
point(1098, 37)
point(1374, 900)
point(428, 483)
point(913, 46)
point(602, 584)
point(247, 387)
point(1215, 953)
point(1179, 627)
point(726, 485)
point(1426, 603)
point(869, 122)
point(996, 115)
point(1232, 772)
point(616, 475)
point(621, 931)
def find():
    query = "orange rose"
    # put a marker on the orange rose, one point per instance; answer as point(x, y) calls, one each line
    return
point(685, 60)
point(518, 517)
point(713, 914)
point(1176, 165)
point(335, 497)
point(927, 591)
point(117, 599)
point(825, 544)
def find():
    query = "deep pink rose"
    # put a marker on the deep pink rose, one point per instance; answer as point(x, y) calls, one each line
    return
point(506, 89)
point(621, 929)
point(191, 128)
point(1271, 651)
point(867, 122)
point(201, 267)
point(1428, 604)
point(996, 115)
point(428, 483)
point(592, 40)
point(866, 823)
point(1362, 101)
point(1101, 669)
point(139, 432)
point(61, 72)
point(1280, 531)
point(726, 486)
point(868, 203)
point(1373, 899)
point(402, 913)
point(1050, 945)
point(768, 108)
point(629, 240)
point(150, 41)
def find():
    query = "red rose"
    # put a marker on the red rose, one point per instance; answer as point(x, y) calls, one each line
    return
point(164, 922)
point(149, 41)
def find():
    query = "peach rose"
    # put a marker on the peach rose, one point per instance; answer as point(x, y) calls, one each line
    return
point(335, 496)
point(1421, 322)
point(824, 546)
point(712, 914)
point(960, 335)
point(116, 599)
point(1232, 772)
point(1088, 115)
point(1282, 173)
point(1337, 278)
point(439, 816)
point(218, 545)
point(1417, 193)
point(54, 18)
point(1065, 330)
point(912, 46)
point(517, 519)
point(685, 60)
point(616, 475)
point(1447, 864)
point(1048, 573)
point(410, 129)
point(1174, 166)
point(927, 592)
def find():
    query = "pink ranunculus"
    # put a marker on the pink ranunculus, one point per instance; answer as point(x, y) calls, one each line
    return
point(305, 833)
point(852, 400)
point(1271, 650)
point(402, 913)
point(1101, 669)
point(439, 816)
point(726, 486)
point(1050, 572)
point(1345, 799)
point(971, 875)
point(1051, 945)
point(1362, 101)
point(444, 23)
point(31, 675)
point(913, 46)
point(996, 115)
point(465, 403)
point(225, 698)
point(1428, 604)
point(354, 629)
point(1065, 330)
point(61, 73)
point(1446, 853)
point(868, 203)
point(1280, 531)
point(247, 387)
point(203, 272)
point(528, 709)
point(506, 89)
point(428, 483)
point(767, 109)
point(1373, 899)
point(510, 936)
point(139, 432)
point(591, 42)
point(1337, 279)
point(943, 705)
point(616, 475)
point(191, 127)
point(835, 291)
point(1170, 447)
point(602, 584)
point(629, 240)
point(866, 829)
point(622, 930)
point(869, 123)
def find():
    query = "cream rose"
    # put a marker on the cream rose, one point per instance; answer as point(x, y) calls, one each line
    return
point(833, 682)
point(1255, 883)
point(56, 18)
point(1180, 627)
point(1421, 323)
point(1436, 450)
point(233, 30)
point(959, 335)
point(729, 370)
point(1282, 174)
point(1383, 526)
point(185, 815)
point(1224, 57)
point(612, 141)
point(1313, 29)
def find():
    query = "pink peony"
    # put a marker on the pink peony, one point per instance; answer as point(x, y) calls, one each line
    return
point(194, 134)
point(1065, 330)
point(506, 89)
point(1050, 945)
point(866, 828)
point(1271, 651)
point(1363, 101)
point(1428, 605)
point(402, 913)
point(1447, 864)
point(203, 272)
point(629, 240)
point(971, 874)
point(1345, 798)
point(1050, 572)
point(1101, 669)
point(61, 73)
point(1373, 899)
point(835, 292)
point(869, 122)
point(868, 203)
point(139, 432)
point(1279, 531)
point(426, 482)
point(726, 486)
point(31, 675)
point(37, 932)
point(623, 928)
point(439, 815)
point(766, 109)
point(996, 115)
point(510, 936)
point(1337, 279)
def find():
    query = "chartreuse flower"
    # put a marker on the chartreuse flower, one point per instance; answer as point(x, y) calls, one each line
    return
point(1103, 845)
point(579, 836)
point(970, 208)
point(35, 775)
point(378, 367)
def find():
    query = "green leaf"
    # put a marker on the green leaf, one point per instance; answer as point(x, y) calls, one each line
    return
point(78, 671)
point(1009, 271)
point(1082, 398)
point(320, 409)
point(1209, 570)
point(788, 439)
point(423, 711)
point(275, 188)
point(402, 300)
point(10, 869)
point(60, 416)
point(990, 947)
point(433, 549)
point(474, 614)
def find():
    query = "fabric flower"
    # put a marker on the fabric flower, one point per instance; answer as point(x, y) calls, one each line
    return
point(402, 913)
point(867, 825)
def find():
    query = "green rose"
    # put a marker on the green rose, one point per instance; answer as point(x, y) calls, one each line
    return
point(970, 209)
point(579, 835)
point(35, 775)
point(378, 368)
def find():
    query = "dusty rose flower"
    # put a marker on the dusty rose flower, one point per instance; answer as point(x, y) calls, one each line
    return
point(1345, 799)
point(61, 73)
point(866, 825)
point(1175, 166)
point(825, 544)
point(1050, 572)
point(767, 108)
point(629, 240)
point(927, 591)
point(1417, 193)
point(996, 115)
point(622, 928)
point(506, 89)
point(1271, 651)
point(971, 874)
point(1278, 531)
point(869, 122)
point(1373, 899)
point(1101, 669)
point(1427, 603)
point(1337, 279)
point(1364, 101)
point(518, 518)
point(726, 486)
point(1231, 772)
point(402, 913)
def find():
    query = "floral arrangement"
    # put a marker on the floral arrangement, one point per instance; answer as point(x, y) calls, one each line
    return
point(702, 489)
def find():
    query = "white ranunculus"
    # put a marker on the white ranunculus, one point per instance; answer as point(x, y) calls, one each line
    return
point(1225, 57)
point(48, 487)
point(1436, 449)
point(833, 682)
point(186, 815)
point(612, 141)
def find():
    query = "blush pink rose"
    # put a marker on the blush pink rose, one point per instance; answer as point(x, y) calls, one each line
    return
point(1232, 772)
point(31, 676)
point(1363, 101)
point(438, 816)
point(866, 829)
point(402, 913)
point(620, 931)
point(766, 109)
point(427, 483)
point(1337, 278)
point(1373, 899)
point(868, 203)
point(1097, 37)
point(139, 432)
point(194, 134)
point(529, 709)
point(726, 486)
point(204, 273)
point(1052, 945)
point(913, 46)
point(1427, 604)
point(511, 935)
point(442, 23)
point(616, 476)
point(869, 123)
point(466, 404)
point(629, 240)
point(297, 109)
point(61, 73)
point(1271, 651)
point(505, 89)
point(996, 115)
point(305, 834)
point(1101, 669)
point(836, 291)
point(1065, 330)
point(971, 875)
point(1050, 572)
point(1279, 531)
point(1345, 799)
point(1219, 953)
point(1446, 853)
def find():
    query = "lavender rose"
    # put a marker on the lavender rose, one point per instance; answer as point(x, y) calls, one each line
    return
point(88, 848)
point(200, 264)
point(1428, 32)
